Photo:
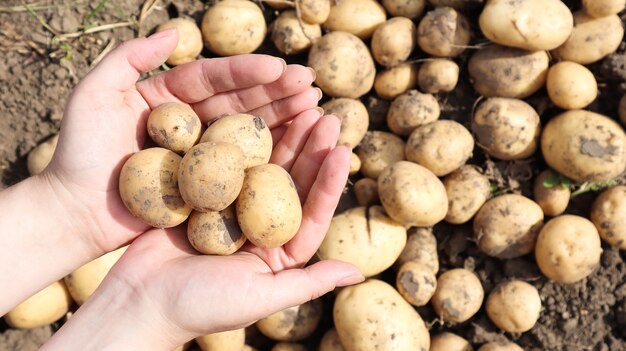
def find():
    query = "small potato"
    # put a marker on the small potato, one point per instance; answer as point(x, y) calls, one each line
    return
point(568, 249)
point(506, 128)
point(292, 36)
point(215, 232)
point(189, 40)
point(411, 110)
point(358, 17)
point(552, 200)
point(393, 41)
point(584, 146)
point(603, 8)
point(45, 307)
point(467, 191)
point(314, 11)
point(514, 306)
point(395, 81)
point(232, 340)
point(149, 188)
point(508, 72)
point(608, 213)
point(41, 155)
point(233, 27)
point(412, 195)
point(330, 341)
point(366, 192)
point(377, 151)
point(354, 119)
point(292, 324)
point(531, 24)
point(416, 283)
point(443, 32)
point(438, 76)
point(343, 65)
point(500, 346)
point(248, 132)
point(459, 295)
point(174, 126)
point(622, 110)
point(449, 342)
point(441, 146)
point(355, 164)
point(210, 176)
point(592, 39)
point(421, 247)
point(571, 86)
point(405, 8)
point(507, 226)
point(288, 346)
point(268, 209)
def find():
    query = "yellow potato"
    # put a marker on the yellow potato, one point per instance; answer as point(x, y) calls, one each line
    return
point(189, 40)
point(603, 8)
point(45, 307)
point(174, 126)
point(331, 342)
point(358, 17)
point(215, 232)
point(354, 119)
point(405, 8)
point(377, 151)
point(467, 191)
point(355, 164)
point(292, 324)
point(292, 36)
point(608, 213)
point(232, 340)
point(416, 283)
point(366, 192)
point(500, 346)
point(39, 157)
point(443, 32)
point(421, 247)
point(459, 295)
point(438, 76)
point(571, 86)
point(393, 41)
point(449, 342)
point(554, 200)
point(395, 81)
point(514, 306)
point(314, 11)
point(411, 110)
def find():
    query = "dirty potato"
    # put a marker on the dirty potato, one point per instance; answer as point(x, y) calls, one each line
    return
point(438, 76)
point(189, 40)
point(514, 306)
point(421, 247)
point(354, 119)
point(366, 192)
point(395, 81)
point(377, 151)
point(174, 126)
point(416, 283)
point(608, 213)
point(314, 11)
point(411, 110)
point(443, 32)
point(358, 17)
point(459, 295)
point(292, 36)
point(393, 41)
point(292, 324)
point(571, 85)
point(467, 191)
point(553, 200)
point(449, 342)
point(215, 232)
point(405, 8)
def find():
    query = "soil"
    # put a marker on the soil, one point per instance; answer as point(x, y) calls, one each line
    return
point(37, 75)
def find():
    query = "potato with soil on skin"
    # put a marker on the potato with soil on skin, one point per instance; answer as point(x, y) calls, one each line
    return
point(288, 346)
point(449, 342)
point(412, 195)
point(377, 151)
point(393, 41)
point(531, 24)
point(343, 65)
point(438, 76)
point(411, 110)
point(421, 247)
point(395, 81)
point(500, 346)
point(354, 119)
point(405, 8)
point(232, 340)
point(43, 308)
point(314, 11)
point(292, 324)
point(571, 86)
point(552, 200)
point(441, 146)
point(372, 315)
point(568, 249)
point(514, 306)
point(459, 295)
point(210, 175)
point(149, 188)
point(189, 40)
point(584, 146)
point(608, 213)
point(416, 283)
point(268, 208)
point(292, 36)
point(215, 232)
point(443, 32)
point(467, 191)
point(233, 27)
point(498, 71)
point(248, 132)
point(358, 17)
point(174, 126)
point(39, 157)
point(603, 8)
point(355, 164)
point(330, 341)
point(506, 128)
point(366, 192)
point(364, 237)
point(592, 39)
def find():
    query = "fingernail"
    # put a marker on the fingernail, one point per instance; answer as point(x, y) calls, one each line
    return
point(313, 74)
point(320, 110)
point(319, 91)
point(351, 280)
point(162, 34)
point(284, 63)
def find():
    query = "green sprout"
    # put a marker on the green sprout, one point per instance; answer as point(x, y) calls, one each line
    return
point(556, 179)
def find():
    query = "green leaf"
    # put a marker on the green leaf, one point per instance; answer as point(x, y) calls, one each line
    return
point(552, 180)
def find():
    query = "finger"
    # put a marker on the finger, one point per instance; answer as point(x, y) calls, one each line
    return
point(281, 111)
point(292, 142)
point(278, 133)
point(199, 80)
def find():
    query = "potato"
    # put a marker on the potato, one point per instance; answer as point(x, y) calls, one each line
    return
point(149, 188)
point(210, 176)
point(416, 283)
point(232, 340)
point(500, 346)
point(45, 307)
point(355, 164)
point(189, 40)
point(268, 208)
point(330, 341)
point(443, 32)
point(467, 190)
point(411, 110)
point(366, 192)
point(506, 128)
point(584, 146)
point(364, 237)
point(438, 76)
point(292, 324)
point(449, 342)
point(233, 27)
point(507, 226)
point(292, 36)
point(314, 11)
point(405, 8)
point(459, 295)
point(552, 200)
point(84, 281)
point(622, 109)
point(608, 213)
point(531, 24)
point(248, 132)
point(568, 249)
point(412, 195)
point(354, 119)
point(288, 346)
point(421, 247)
point(377, 151)
point(343, 65)
point(372, 315)
point(393, 41)
point(215, 232)
point(592, 39)
point(571, 86)
point(508, 72)
point(459, 5)
point(514, 306)
point(441, 146)
point(39, 157)
point(358, 17)
point(395, 81)
point(174, 126)
point(603, 8)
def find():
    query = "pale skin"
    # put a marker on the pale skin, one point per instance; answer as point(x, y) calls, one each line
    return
point(162, 292)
